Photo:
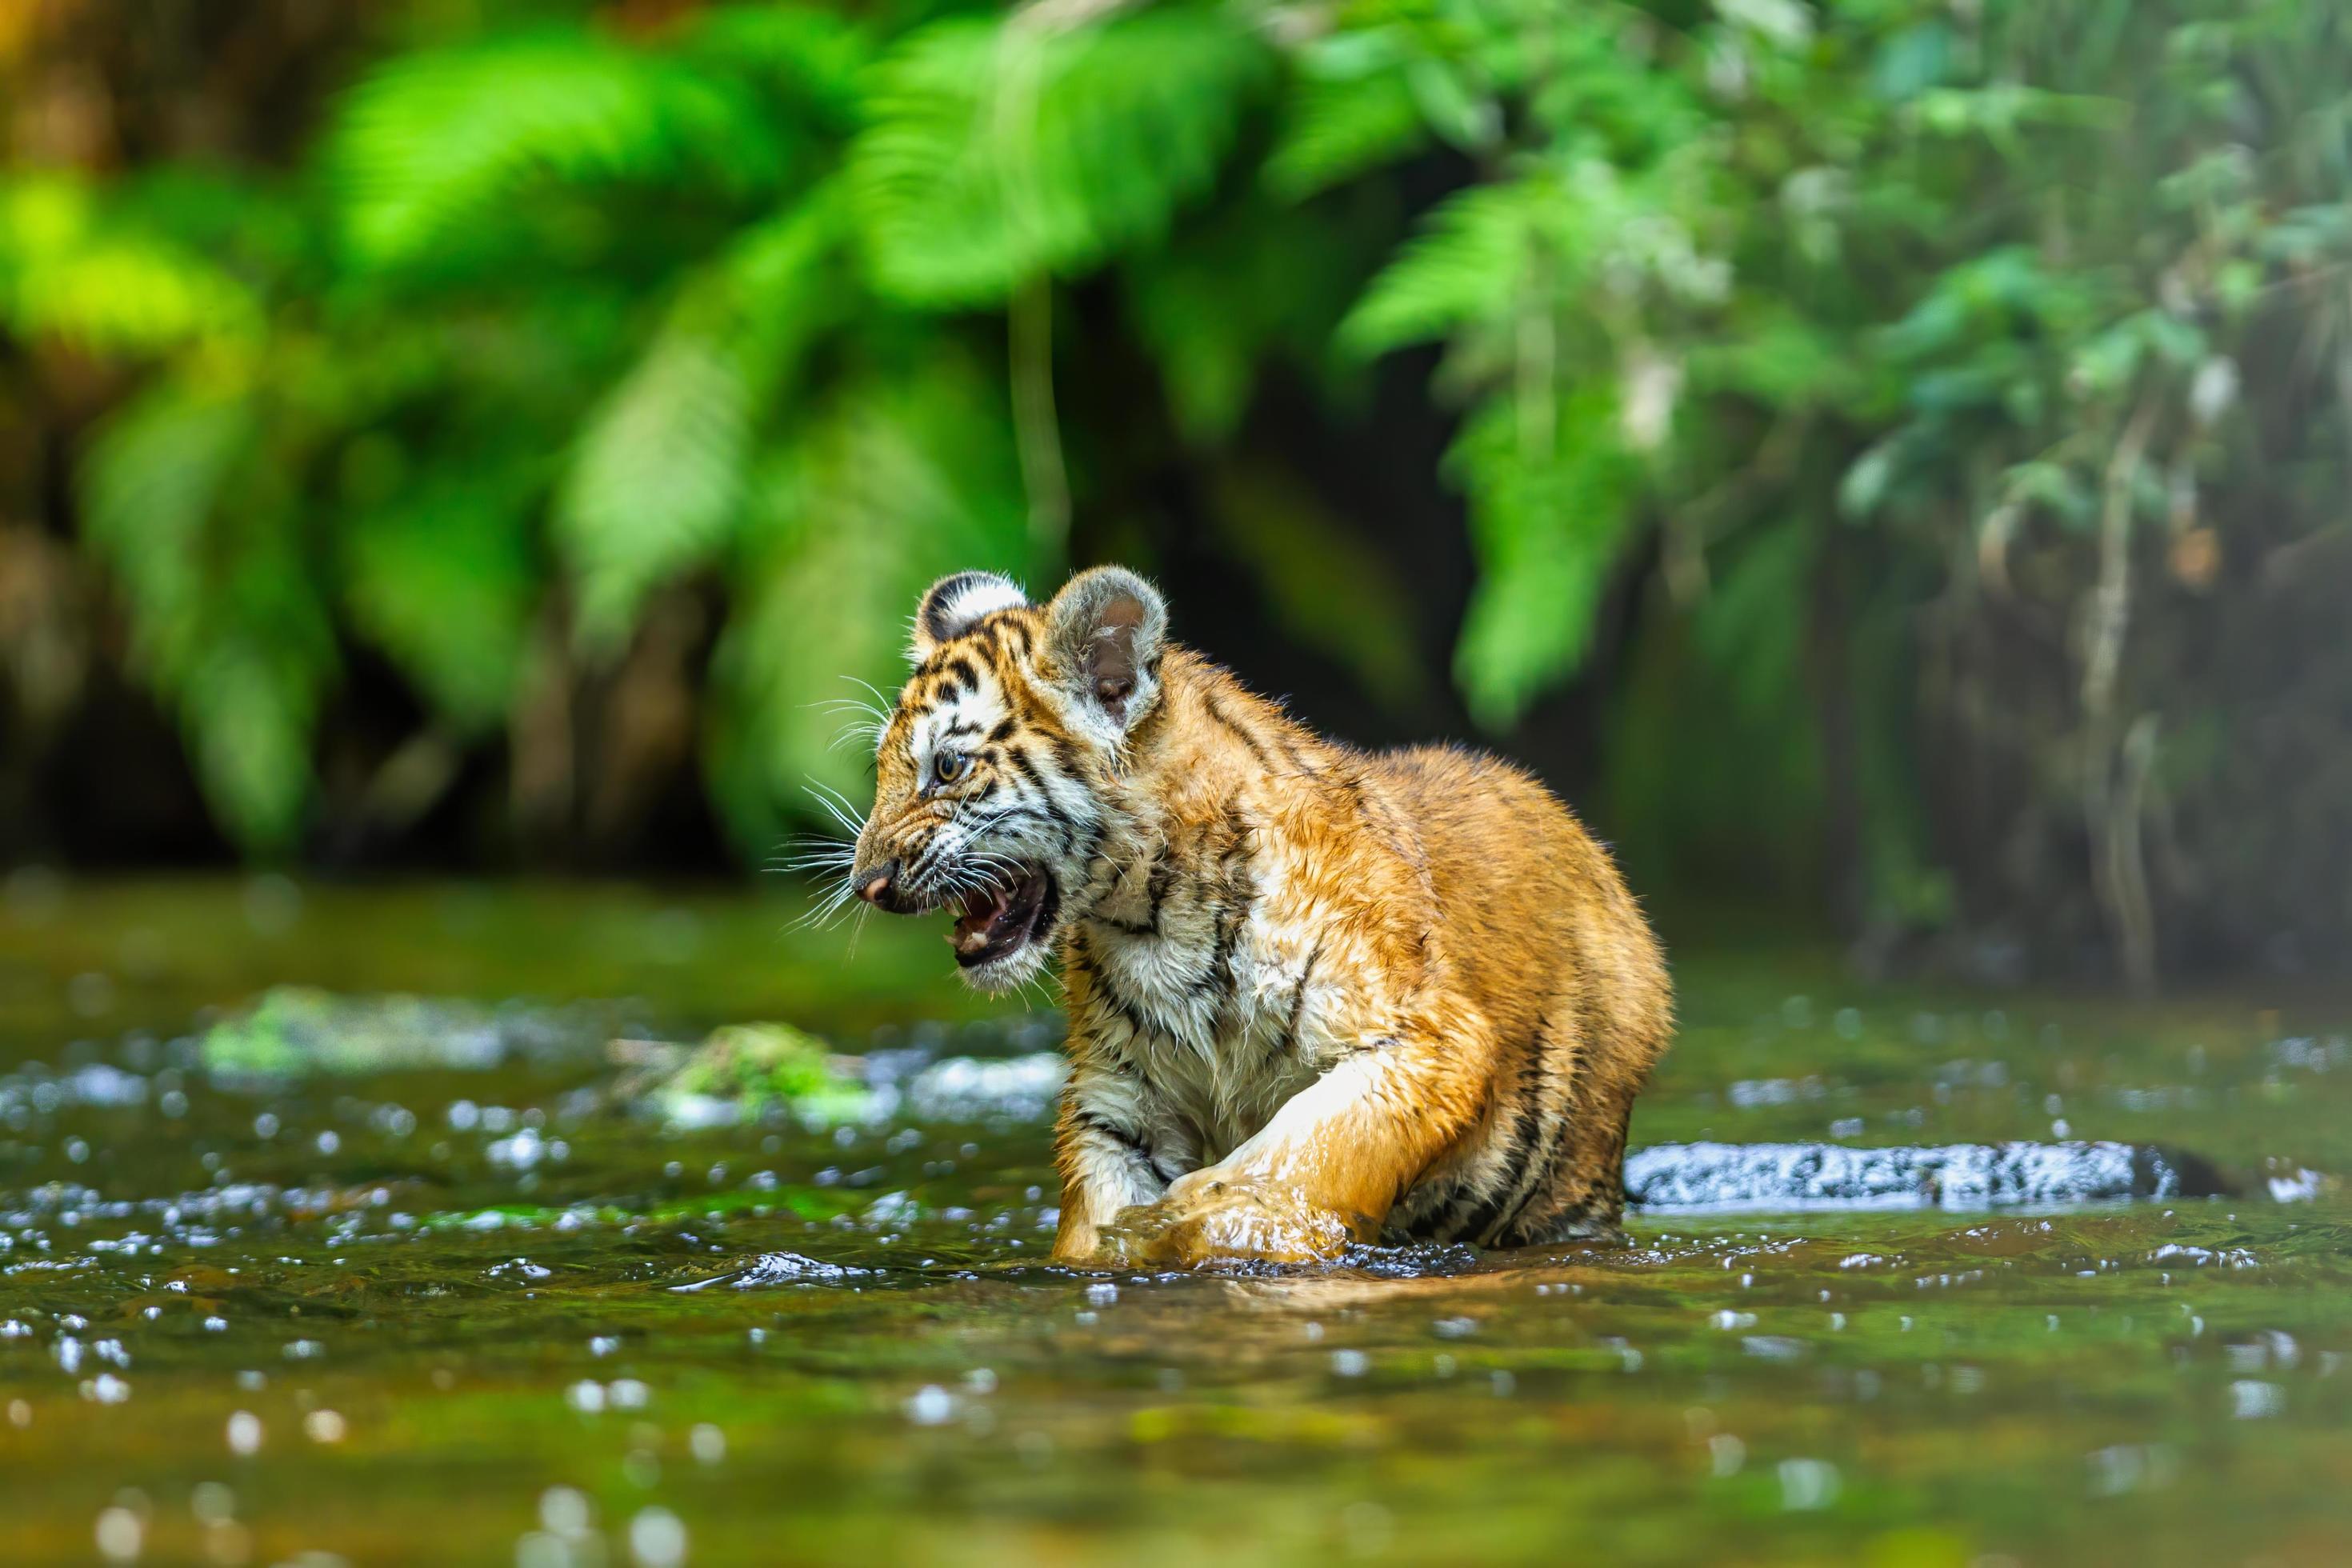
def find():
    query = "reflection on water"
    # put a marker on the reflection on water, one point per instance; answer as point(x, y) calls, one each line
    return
point(441, 1308)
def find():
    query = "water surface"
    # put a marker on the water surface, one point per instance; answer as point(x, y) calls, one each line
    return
point(432, 1312)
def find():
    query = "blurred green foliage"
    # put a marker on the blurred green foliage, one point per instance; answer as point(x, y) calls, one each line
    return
point(1885, 336)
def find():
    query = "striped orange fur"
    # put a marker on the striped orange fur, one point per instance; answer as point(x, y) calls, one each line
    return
point(1315, 994)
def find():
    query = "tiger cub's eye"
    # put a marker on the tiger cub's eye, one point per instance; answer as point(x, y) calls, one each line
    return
point(949, 766)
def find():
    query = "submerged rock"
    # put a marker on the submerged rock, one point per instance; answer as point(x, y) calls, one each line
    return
point(1718, 1176)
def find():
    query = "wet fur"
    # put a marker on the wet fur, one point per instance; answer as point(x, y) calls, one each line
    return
point(1315, 995)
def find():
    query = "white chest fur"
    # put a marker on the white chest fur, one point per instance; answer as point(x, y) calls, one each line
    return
point(1220, 1014)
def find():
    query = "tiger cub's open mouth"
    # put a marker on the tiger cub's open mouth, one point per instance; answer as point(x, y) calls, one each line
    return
point(1003, 918)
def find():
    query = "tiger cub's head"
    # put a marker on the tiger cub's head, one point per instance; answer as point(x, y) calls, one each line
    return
point(990, 795)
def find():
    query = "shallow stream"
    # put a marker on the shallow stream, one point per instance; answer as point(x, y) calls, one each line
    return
point(431, 1308)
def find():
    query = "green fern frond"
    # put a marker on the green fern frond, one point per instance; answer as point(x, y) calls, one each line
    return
point(999, 152)
point(152, 478)
point(1334, 130)
point(811, 58)
point(225, 618)
point(249, 714)
point(656, 481)
point(898, 480)
point(444, 580)
point(1548, 526)
point(68, 274)
point(435, 140)
point(1464, 268)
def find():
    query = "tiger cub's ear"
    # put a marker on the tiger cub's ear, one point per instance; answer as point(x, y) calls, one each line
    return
point(953, 606)
point(1103, 636)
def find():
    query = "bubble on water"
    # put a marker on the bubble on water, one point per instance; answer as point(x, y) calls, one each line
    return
point(564, 1510)
point(1102, 1295)
point(20, 1413)
point(2131, 1468)
point(540, 1550)
point(215, 1325)
point(90, 993)
point(603, 1344)
point(324, 1426)
point(328, 1142)
point(1455, 1328)
point(1725, 1454)
point(243, 1433)
point(250, 1380)
point(708, 1443)
point(657, 1539)
point(1807, 1484)
point(1728, 1319)
point(930, 1405)
point(265, 1126)
point(119, 1534)
point(982, 1380)
point(1351, 1363)
point(2252, 1400)
point(105, 1389)
point(587, 1395)
point(627, 1393)
point(211, 1503)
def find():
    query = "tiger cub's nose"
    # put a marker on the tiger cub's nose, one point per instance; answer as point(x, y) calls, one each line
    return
point(878, 886)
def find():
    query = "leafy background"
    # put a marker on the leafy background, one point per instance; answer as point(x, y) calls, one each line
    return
point(1887, 457)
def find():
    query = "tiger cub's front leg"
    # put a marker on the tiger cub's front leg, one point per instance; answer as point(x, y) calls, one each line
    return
point(1329, 1167)
point(1104, 1156)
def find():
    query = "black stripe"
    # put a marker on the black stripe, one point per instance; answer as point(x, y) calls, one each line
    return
point(1155, 887)
point(1286, 1043)
point(1523, 1134)
point(1003, 731)
point(1095, 1121)
point(1256, 747)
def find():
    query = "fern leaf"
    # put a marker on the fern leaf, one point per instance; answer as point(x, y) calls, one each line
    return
point(444, 580)
point(68, 275)
point(225, 619)
point(898, 481)
point(1334, 130)
point(1548, 528)
point(435, 140)
point(656, 483)
point(154, 477)
point(1464, 268)
point(1000, 152)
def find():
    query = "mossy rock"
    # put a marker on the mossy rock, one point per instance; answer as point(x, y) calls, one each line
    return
point(295, 1031)
point(750, 1068)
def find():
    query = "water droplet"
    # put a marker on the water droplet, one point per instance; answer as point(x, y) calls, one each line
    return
point(657, 1539)
point(119, 1534)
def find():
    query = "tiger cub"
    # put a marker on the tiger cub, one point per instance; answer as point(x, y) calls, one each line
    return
point(1316, 995)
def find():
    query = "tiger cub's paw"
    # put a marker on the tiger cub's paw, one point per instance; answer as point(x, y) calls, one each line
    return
point(1208, 1217)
